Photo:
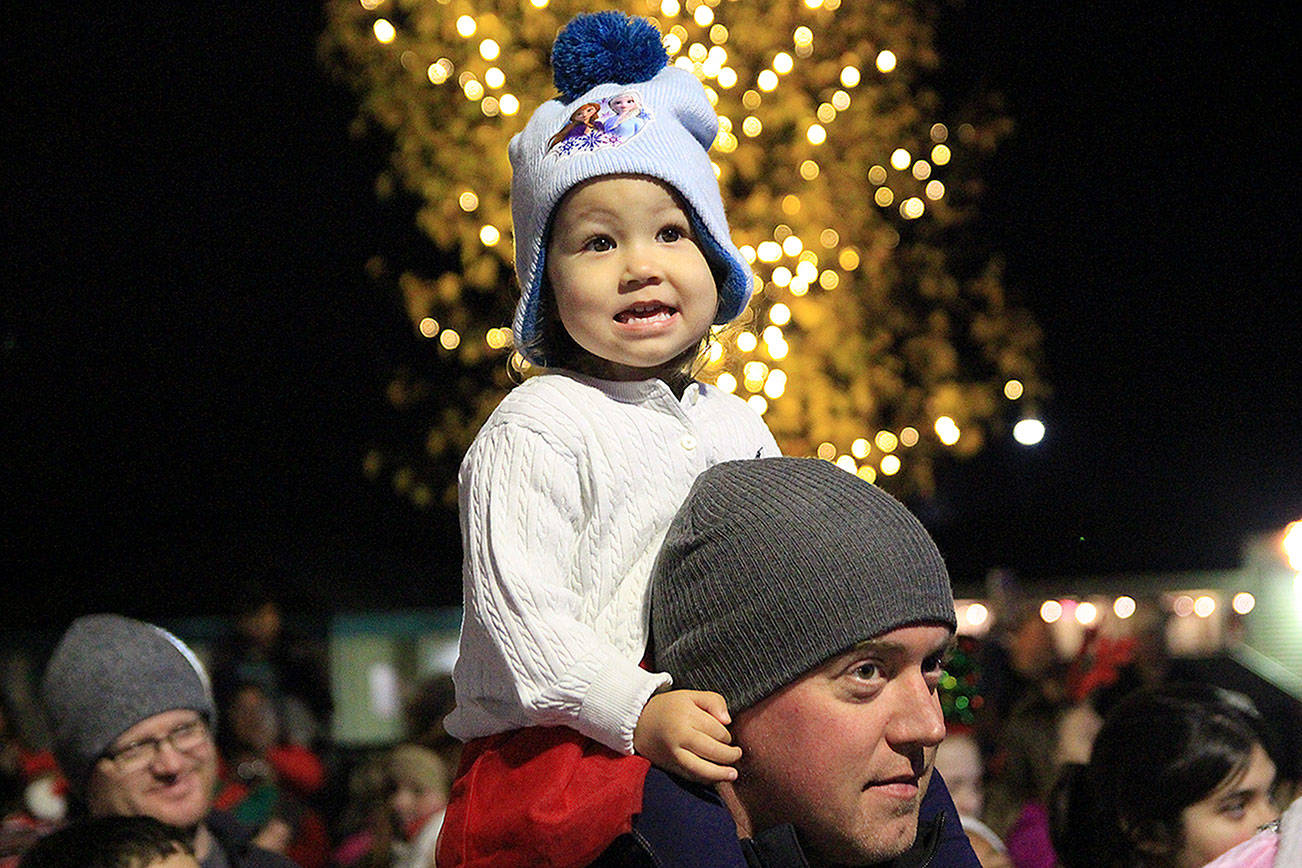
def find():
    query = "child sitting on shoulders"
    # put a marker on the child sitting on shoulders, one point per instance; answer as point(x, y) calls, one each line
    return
point(625, 262)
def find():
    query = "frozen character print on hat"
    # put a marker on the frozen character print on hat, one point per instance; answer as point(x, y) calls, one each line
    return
point(608, 123)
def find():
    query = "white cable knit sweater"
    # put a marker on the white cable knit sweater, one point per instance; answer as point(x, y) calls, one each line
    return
point(566, 494)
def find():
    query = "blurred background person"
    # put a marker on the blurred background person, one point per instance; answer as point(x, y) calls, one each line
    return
point(958, 759)
point(290, 669)
point(32, 791)
point(1178, 775)
point(267, 785)
point(423, 715)
point(403, 835)
point(1025, 766)
point(132, 717)
point(1019, 657)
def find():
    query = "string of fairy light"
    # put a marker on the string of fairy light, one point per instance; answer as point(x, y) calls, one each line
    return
point(749, 357)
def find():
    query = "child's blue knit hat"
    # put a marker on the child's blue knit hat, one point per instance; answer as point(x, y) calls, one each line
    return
point(622, 110)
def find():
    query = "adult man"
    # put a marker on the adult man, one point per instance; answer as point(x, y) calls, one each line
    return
point(132, 716)
point(821, 610)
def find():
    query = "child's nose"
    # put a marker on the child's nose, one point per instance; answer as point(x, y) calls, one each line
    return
point(640, 265)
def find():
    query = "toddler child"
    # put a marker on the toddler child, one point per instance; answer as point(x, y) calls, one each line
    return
point(625, 261)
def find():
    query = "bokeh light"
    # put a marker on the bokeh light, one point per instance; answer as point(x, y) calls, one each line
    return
point(1124, 606)
point(1028, 432)
point(791, 90)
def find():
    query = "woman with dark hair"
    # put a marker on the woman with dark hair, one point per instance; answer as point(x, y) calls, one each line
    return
point(1179, 774)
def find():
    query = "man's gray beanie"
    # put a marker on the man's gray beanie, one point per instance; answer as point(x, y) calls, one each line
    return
point(774, 565)
point(107, 674)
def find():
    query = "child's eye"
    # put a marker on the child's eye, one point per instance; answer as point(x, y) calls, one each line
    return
point(1234, 810)
point(670, 234)
point(599, 244)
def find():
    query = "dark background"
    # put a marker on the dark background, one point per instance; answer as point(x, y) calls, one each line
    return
point(193, 361)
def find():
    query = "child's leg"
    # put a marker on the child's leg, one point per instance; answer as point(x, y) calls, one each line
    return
point(544, 797)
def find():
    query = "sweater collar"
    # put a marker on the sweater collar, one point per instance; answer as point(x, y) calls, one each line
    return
point(635, 391)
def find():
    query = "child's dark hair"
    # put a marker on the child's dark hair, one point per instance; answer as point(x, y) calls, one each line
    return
point(109, 842)
point(1159, 751)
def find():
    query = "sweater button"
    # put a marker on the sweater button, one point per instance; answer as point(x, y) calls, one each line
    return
point(688, 442)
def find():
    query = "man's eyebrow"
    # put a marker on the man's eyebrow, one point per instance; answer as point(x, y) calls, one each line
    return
point(144, 738)
point(889, 647)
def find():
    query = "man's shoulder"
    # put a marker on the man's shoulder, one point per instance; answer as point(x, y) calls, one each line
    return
point(236, 840)
point(680, 824)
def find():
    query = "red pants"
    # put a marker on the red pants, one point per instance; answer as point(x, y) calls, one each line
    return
point(542, 797)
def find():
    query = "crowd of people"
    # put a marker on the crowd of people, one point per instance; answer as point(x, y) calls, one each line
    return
point(139, 727)
point(679, 648)
point(1122, 756)
point(1121, 767)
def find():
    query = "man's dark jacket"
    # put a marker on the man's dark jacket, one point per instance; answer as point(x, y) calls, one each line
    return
point(237, 840)
point(686, 826)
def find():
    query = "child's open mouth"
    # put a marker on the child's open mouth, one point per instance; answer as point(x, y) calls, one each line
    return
point(645, 313)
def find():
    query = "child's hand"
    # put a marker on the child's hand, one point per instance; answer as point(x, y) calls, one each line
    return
point(685, 732)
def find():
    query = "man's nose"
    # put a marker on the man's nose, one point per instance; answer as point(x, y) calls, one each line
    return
point(167, 759)
point(917, 718)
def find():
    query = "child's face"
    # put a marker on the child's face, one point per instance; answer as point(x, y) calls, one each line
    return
point(1230, 814)
point(959, 761)
point(412, 801)
point(631, 285)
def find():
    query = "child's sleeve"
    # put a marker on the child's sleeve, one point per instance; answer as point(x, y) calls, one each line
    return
point(521, 510)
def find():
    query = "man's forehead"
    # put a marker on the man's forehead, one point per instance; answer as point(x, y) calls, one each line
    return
point(904, 641)
point(157, 725)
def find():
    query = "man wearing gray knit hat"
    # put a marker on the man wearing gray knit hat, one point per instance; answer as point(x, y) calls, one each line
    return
point(821, 609)
point(132, 716)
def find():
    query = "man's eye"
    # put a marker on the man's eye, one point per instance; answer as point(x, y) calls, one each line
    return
point(132, 751)
point(868, 671)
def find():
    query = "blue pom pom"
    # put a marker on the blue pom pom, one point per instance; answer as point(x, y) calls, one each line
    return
point(605, 47)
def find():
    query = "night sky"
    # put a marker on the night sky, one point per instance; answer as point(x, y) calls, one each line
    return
point(193, 361)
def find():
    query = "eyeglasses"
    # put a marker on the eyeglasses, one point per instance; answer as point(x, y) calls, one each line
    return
point(184, 738)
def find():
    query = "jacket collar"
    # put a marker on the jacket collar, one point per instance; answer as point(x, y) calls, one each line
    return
point(779, 847)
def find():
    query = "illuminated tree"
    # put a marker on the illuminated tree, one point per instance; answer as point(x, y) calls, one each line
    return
point(879, 335)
